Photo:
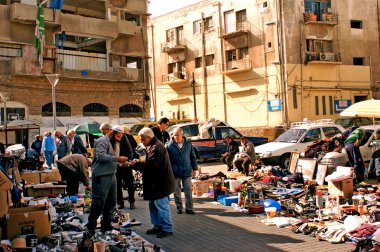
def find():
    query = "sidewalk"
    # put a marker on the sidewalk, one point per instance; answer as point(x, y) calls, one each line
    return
point(220, 228)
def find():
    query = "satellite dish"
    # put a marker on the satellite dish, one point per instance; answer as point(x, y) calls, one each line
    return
point(119, 3)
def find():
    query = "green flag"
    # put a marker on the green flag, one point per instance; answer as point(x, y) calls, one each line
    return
point(40, 32)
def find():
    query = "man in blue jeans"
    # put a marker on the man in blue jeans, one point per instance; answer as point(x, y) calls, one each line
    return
point(48, 148)
point(158, 183)
point(352, 145)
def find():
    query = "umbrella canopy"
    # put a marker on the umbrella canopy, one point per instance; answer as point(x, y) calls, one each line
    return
point(91, 128)
point(368, 108)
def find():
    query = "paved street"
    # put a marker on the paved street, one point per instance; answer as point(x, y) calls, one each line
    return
point(220, 228)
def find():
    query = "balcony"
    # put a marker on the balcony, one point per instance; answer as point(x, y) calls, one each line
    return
point(325, 57)
point(173, 46)
point(127, 28)
point(234, 30)
point(237, 66)
point(26, 14)
point(19, 66)
point(176, 79)
point(329, 17)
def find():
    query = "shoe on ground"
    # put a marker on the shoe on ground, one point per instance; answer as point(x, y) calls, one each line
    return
point(120, 206)
point(153, 230)
point(132, 206)
point(179, 211)
point(190, 212)
point(163, 234)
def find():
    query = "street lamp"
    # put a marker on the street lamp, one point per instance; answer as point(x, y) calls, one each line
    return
point(5, 97)
point(53, 80)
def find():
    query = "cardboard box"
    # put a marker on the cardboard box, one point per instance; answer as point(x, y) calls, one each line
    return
point(343, 188)
point(16, 173)
point(5, 182)
point(43, 190)
point(50, 176)
point(4, 206)
point(28, 220)
point(31, 177)
point(200, 187)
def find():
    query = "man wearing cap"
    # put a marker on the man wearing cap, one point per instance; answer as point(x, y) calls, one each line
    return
point(229, 155)
point(74, 169)
point(104, 168)
point(122, 147)
point(246, 157)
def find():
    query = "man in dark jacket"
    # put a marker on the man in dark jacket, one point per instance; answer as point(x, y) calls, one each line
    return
point(184, 162)
point(233, 148)
point(160, 130)
point(158, 183)
point(104, 168)
point(77, 146)
point(63, 144)
point(122, 147)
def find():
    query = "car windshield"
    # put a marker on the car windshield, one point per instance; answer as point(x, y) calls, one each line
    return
point(343, 122)
point(291, 136)
point(136, 128)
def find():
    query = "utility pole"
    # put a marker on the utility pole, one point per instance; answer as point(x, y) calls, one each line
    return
point(195, 100)
point(204, 89)
point(5, 98)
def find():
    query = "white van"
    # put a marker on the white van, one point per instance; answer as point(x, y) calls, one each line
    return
point(297, 138)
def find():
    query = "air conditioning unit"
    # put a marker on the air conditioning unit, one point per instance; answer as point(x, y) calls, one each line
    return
point(327, 56)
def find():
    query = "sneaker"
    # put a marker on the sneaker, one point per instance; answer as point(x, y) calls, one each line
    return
point(179, 211)
point(153, 230)
point(163, 234)
point(190, 212)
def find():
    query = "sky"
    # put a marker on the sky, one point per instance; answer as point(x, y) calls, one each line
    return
point(159, 7)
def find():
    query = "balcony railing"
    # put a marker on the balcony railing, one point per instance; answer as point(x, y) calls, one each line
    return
point(24, 13)
point(320, 57)
point(76, 60)
point(330, 18)
point(174, 46)
point(175, 78)
point(237, 66)
point(236, 29)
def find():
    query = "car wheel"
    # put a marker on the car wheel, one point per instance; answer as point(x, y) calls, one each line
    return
point(285, 161)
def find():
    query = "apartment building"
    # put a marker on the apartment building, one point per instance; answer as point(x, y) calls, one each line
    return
point(99, 50)
point(264, 63)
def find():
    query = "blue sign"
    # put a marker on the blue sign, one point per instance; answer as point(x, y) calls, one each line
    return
point(340, 105)
point(275, 105)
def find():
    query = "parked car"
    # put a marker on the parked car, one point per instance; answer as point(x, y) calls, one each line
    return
point(348, 122)
point(297, 138)
point(213, 146)
point(369, 144)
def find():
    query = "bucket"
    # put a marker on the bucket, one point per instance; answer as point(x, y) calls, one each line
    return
point(271, 212)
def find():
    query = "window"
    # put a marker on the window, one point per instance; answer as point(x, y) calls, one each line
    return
point(95, 109)
point(243, 53)
point(241, 16)
point(330, 131)
point(210, 60)
point(356, 24)
point(295, 103)
point(316, 105)
point(331, 105)
point(208, 24)
point(265, 4)
point(324, 105)
point(228, 131)
point(358, 61)
point(312, 135)
point(171, 67)
point(61, 109)
point(197, 27)
point(269, 44)
point(130, 110)
point(198, 62)
point(231, 55)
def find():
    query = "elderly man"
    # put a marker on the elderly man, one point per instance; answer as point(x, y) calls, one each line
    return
point(104, 191)
point(160, 130)
point(74, 169)
point(63, 144)
point(246, 157)
point(158, 183)
point(105, 128)
point(77, 146)
point(184, 164)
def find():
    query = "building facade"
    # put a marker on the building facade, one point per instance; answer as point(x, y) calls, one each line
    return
point(264, 63)
point(99, 50)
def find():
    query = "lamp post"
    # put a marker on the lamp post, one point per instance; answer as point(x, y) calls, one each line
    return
point(53, 80)
point(5, 97)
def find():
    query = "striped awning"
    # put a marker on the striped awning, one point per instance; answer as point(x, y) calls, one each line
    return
point(368, 108)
